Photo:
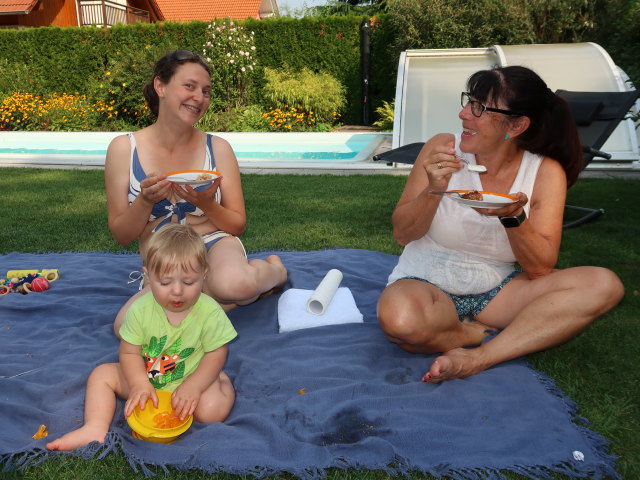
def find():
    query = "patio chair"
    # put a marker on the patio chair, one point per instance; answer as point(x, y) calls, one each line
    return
point(597, 114)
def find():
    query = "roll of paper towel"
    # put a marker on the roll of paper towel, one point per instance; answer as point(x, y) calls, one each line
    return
point(322, 296)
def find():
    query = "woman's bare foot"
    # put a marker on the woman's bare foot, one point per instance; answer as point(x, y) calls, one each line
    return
point(456, 363)
point(275, 260)
point(78, 438)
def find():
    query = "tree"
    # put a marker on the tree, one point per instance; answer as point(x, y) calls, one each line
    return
point(349, 7)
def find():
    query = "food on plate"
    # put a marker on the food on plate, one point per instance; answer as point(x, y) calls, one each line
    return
point(472, 195)
point(204, 176)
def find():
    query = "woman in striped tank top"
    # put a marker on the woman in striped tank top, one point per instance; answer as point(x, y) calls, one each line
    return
point(141, 199)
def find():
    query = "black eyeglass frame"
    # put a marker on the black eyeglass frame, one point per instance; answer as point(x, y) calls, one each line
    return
point(483, 107)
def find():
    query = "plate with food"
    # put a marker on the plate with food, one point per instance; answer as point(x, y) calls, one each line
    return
point(480, 198)
point(195, 178)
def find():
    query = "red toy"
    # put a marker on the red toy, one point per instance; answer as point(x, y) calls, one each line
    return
point(39, 284)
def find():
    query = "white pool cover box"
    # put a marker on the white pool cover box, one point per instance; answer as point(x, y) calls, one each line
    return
point(430, 81)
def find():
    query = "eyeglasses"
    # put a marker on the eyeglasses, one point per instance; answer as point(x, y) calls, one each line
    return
point(477, 108)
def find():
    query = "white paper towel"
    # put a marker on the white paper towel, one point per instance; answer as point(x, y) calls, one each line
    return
point(293, 314)
point(322, 296)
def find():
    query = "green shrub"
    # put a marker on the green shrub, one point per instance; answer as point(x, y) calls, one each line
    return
point(250, 119)
point(218, 120)
point(329, 45)
point(121, 85)
point(318, 94)
point(17, 77)
point(457, 24)
point(385, 115)
point(230, 49)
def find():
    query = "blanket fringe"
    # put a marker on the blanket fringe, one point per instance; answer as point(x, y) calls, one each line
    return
point(607, 466)
point(398, 467)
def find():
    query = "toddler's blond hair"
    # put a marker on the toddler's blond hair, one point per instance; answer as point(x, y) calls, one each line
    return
point(175, 245)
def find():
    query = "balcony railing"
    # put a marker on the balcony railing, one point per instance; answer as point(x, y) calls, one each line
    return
point(107, 13)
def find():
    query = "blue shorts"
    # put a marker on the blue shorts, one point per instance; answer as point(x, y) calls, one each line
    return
point(468, 306)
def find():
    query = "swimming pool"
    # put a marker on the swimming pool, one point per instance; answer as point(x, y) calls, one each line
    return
point(88, 149)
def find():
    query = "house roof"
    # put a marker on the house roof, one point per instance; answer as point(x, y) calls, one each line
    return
point(13, 7)
point(207, 10)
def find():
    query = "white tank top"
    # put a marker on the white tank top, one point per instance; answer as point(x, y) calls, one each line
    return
point(465, 252)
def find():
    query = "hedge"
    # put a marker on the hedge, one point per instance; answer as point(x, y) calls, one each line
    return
point(71, 59)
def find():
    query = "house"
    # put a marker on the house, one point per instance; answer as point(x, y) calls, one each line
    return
point(64, 13)
point(207, 10)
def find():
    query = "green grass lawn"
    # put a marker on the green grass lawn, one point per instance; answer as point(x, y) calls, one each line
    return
point(64, 210)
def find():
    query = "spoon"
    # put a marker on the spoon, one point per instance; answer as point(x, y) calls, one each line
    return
point(446, 192)
point(473, 168)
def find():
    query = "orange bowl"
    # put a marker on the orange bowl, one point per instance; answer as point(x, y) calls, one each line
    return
point(158, 424)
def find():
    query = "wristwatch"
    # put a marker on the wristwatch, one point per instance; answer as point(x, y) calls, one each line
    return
point(510, 222)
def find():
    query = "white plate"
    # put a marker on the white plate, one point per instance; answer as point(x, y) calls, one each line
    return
point(489, 199)
point(193, 177)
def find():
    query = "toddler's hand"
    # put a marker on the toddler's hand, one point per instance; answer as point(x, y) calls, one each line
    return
point(185, 400)
point(138, 397)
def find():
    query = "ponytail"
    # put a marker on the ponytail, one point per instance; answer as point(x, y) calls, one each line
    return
point(554, 134)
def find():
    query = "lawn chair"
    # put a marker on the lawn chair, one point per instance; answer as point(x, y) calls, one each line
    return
point(597, 114)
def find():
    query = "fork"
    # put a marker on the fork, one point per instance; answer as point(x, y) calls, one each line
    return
point(473, 168)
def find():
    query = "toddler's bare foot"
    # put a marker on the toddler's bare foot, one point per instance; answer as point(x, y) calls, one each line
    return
point(78, 438)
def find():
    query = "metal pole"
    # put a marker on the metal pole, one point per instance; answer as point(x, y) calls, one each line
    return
point(365, 58)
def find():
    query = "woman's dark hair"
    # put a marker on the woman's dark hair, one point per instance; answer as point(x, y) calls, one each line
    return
point(552, 131)
point(165, 69)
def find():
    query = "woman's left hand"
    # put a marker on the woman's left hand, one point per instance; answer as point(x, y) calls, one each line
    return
point(199, 198)
point(511, 210)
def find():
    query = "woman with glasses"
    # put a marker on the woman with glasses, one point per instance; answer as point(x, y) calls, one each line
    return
point(466, 273)
point(141, 200)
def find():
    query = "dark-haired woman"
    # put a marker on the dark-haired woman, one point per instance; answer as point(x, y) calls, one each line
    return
point(456, 279)
point(141, 200)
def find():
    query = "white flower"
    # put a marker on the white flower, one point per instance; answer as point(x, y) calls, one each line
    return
point(253, 47)
point(241, 52)
point(228, 54)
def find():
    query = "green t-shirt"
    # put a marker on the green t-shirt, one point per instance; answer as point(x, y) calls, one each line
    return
point(171, 353)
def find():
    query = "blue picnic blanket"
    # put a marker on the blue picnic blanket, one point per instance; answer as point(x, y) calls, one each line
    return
point(330, 396)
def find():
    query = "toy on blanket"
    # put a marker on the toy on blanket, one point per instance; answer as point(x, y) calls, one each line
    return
point(158, 425)
point(27, 281)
